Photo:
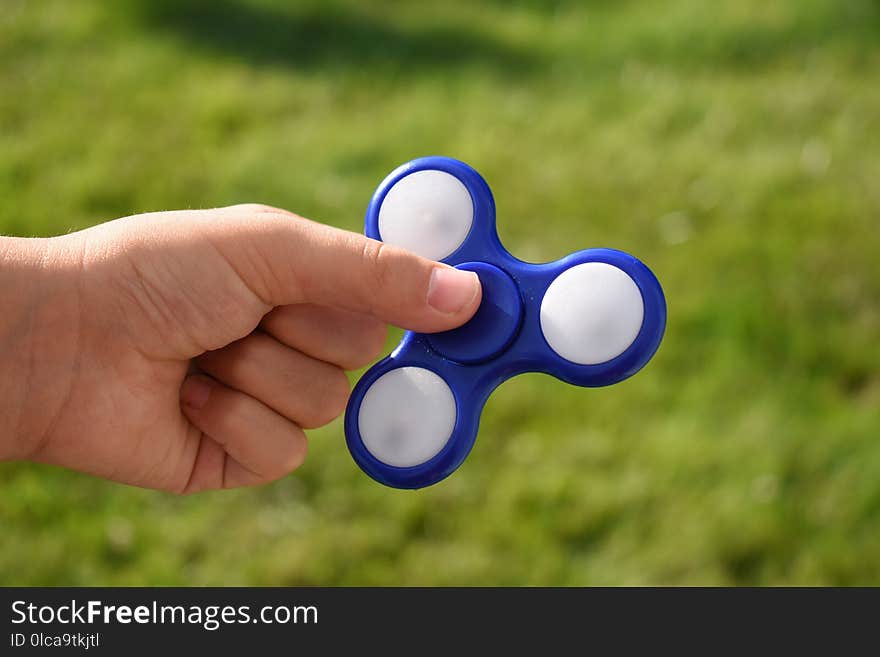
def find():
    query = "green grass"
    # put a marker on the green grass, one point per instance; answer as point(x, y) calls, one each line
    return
point(733, 146)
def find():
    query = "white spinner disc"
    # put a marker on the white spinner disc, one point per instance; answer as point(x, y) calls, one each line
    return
point(591, 313)
point(427, 212)
point(407, 416)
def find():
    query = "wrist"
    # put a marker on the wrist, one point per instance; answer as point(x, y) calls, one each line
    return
point(38, 334)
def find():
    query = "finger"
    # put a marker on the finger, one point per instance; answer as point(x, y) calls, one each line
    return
point(289, 260)
point(350, 340)
point(264, 444)
point(214, 468)
point(252, 207)
point(306, 391)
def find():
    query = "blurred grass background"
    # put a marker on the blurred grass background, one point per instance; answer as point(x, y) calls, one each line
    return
point(734, 146)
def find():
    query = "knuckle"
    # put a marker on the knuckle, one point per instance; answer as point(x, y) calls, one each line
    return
point(293, 457)
point(371, 345)
point(375, 259)
point(367, 346)
point(376, 339)
point(331, 400)
point(283, 463)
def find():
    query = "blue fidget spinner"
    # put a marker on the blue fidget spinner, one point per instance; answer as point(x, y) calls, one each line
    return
point(593, 318)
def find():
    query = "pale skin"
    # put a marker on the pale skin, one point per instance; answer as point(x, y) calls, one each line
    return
point(187, 351)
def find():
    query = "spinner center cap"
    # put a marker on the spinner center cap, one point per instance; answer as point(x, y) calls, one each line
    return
point(492, 328)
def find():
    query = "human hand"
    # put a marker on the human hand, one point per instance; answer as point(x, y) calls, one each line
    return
point(187, 350)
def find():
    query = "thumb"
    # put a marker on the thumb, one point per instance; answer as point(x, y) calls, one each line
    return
point(315, 263)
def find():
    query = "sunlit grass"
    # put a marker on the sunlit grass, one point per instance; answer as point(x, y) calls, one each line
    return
point(735, 147)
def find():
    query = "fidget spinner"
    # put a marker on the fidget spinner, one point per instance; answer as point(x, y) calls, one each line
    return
point(593, 318)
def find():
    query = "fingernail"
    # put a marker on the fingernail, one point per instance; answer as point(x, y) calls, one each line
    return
point(195, 392)
point(450, 290)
